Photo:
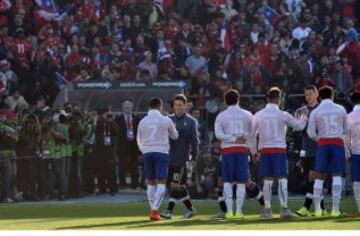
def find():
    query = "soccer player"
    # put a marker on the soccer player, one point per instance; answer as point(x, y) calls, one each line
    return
point(180, 151)
point(234, 128)
point(354, 134)
point(308, 151)
point(328, 127)
point(153, 140)
point(270, 124)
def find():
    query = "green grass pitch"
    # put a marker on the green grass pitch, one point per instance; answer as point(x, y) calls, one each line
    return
point(134, 216)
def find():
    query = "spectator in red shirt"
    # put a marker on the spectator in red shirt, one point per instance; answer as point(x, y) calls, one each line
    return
point(73, 62)
point(264, 48)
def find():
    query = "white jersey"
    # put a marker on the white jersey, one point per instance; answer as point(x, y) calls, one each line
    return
point(328, 120)
point(271, 123)
point(232, 123)
point(353, 121)
point(154, 131)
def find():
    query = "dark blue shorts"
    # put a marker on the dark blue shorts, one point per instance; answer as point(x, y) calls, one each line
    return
point(235, 167)
point(273, 165)
point(330, 158)
point(156, 165)
point(355, 168)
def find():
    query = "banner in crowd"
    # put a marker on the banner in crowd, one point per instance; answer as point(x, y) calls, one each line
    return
point(93, 95)
point(177, 84)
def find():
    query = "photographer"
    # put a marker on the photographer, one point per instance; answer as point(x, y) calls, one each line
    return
point(27, 152)
point(8, 139)
point(76, 136)
point(207, 167)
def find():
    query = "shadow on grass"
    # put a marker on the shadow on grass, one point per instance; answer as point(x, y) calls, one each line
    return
point(202, 224)
point(70, 211)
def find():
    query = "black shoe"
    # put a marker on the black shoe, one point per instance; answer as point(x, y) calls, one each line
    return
point(34, 198)
point(62, 198)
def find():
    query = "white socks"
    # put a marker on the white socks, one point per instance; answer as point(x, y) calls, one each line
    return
point(228, 195)
point(336, 192)
point(356, 189)
point(159, 196)
point(240, 197)
point(267, 191)
point(283, 192)
point(150, 191)
point(318, 188)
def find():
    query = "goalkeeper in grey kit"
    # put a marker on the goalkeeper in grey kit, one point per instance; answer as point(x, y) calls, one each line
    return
point(180, 151)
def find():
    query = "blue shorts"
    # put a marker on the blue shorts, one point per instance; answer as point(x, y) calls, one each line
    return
point(156, 165)
point(235, 167)
point(273, 165)
point(330, 158)
point(355, 168)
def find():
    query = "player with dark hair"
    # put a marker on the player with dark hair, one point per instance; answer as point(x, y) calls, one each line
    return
point(153, 135)
point(233, 127)
point(328, 127)
point(308, 151)
point(270, 124)
point(182, 151)
point(251, 188)
point(354, 134)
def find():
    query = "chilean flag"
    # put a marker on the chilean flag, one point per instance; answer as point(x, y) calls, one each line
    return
point(96, 10)
point(271, 16)
point(224, 36)
point(48, 10)
point(60, 79)
point(47, 5)
point(5, 5)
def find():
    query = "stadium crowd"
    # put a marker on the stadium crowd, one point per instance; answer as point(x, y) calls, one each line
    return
point(215, 45)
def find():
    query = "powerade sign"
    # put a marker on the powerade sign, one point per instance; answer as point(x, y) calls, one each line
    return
point(176, 84)
point(93, 85)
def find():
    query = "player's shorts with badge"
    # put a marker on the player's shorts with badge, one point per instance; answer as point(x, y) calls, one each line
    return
point(177, 174)
point(355, 167)
point(156, 165)
point(235, 165)
point(273, 162)
point(330, 156)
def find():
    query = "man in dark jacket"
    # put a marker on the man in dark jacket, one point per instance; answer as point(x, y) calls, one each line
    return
point(105, 152)
point(8, 139)
point(128, 151)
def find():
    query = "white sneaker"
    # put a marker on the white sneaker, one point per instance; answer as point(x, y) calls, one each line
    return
point(8, 200)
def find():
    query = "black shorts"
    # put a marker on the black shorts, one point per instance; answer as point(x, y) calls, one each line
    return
point(177, 174)
point(308, 163)
point(219, 172)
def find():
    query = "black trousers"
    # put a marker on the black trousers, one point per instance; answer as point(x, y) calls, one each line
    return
point(105, 170)
point(27, 177)
point(89, 172)
point(59, 170)
point(76, 175)
point(128, 163)
point(45, 178)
